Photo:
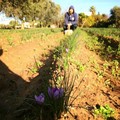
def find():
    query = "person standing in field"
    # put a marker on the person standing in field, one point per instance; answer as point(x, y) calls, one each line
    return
point(71, 19)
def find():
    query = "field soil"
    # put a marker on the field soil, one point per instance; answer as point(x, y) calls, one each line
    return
point(17, 75)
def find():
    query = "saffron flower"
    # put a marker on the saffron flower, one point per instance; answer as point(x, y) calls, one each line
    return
point(40, 99)
point(55, 92)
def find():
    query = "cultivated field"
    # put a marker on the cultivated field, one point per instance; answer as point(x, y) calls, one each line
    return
point(45, 75)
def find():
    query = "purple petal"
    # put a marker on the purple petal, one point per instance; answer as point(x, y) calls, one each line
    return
point(36, 98)
point(40, 99)
point(61, 92)
point(56, 94)
point(50, 93)
point(42, 95)
point(54, 89)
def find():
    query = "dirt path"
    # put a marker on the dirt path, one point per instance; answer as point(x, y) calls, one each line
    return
point(20, 58)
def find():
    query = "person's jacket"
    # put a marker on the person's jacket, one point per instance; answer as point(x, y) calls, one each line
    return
point(73, 19)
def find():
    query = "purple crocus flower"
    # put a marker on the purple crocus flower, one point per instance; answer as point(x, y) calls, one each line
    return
point(55, 92)
point(40, 99)
point(51, 91)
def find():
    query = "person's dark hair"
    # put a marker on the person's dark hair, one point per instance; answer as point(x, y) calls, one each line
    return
point(72, 7)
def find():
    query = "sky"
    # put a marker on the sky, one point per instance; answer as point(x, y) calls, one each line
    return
point(102, 6)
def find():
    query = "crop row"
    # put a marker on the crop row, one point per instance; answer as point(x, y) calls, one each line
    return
point(16, 37)
point(110, 36)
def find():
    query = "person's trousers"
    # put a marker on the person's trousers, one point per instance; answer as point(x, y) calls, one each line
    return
point(72, 27)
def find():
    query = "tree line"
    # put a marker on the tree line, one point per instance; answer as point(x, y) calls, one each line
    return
point(46, 12)
point(100, 20)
